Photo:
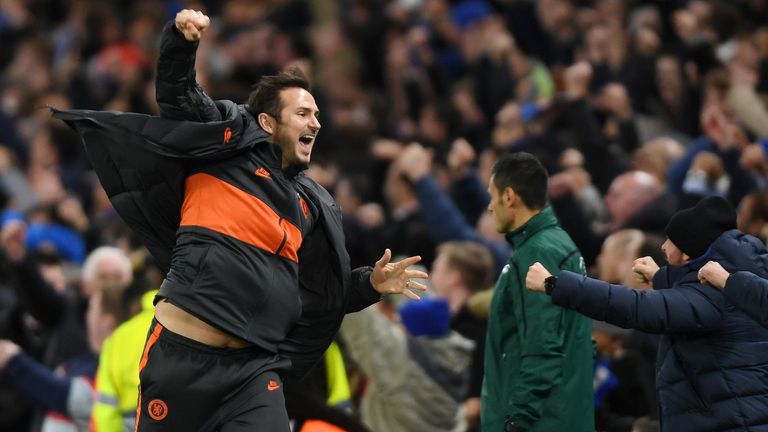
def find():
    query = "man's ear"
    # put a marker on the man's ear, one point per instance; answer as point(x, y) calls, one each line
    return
point(508, 196)
point(267, 123)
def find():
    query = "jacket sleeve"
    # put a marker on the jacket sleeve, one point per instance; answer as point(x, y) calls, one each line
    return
point(378, 346)
point(749, 108)
point(542, 350)
point(749, 293)
point(742, 181)
point(677, 172)
point(361, 293)
point(470, 196)
point(578, 226)
point(683, 309)
point(36, 295)
point(178, 94)
point(106, 415)
point(38, 382)
point(583, 127)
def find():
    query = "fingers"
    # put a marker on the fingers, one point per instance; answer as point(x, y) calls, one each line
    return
point(191, 31)
point(644, 261)
point(538, 268)
point(640, 277)
point(192, 23)
point(411, 295)
point(417, 286)
point(408, 261)
point(416, 274)
point(384, 260)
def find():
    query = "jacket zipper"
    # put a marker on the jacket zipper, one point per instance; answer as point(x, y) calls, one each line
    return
point(522, 297)
point(285, 237)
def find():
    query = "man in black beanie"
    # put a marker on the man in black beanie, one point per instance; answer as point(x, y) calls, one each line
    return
point(694, 229)
point(712, 357)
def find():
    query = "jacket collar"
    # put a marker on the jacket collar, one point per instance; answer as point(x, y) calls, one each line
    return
point(542, 220)
point(271, 153)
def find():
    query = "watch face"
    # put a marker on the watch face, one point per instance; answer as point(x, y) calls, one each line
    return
point(550, 282)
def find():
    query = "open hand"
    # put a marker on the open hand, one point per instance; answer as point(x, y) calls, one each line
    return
point(395, 278)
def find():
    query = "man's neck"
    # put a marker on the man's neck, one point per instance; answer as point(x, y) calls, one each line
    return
point(457, 300)
point(522, 216)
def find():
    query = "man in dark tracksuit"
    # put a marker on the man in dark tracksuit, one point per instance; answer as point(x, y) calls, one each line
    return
point(235, 306)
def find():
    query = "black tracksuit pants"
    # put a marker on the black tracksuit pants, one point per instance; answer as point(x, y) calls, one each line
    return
point(189, 386)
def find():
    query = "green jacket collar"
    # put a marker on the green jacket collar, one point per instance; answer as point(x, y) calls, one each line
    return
point(544, 219)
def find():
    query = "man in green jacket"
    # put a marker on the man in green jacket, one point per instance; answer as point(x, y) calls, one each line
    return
point(538, 356)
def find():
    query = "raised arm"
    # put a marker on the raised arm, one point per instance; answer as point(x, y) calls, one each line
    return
point(178, 94)
point(36, 295)
point(443, 218)
point(684, 309)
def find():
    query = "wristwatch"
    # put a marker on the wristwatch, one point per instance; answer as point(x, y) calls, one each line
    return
point(549, 284)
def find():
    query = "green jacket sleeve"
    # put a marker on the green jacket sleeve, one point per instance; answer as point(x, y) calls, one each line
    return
point(542, 351)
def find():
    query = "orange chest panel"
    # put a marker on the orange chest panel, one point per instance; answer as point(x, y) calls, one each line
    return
point(214, 204)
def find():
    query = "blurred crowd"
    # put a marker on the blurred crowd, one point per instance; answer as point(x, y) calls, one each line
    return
point(636, 109)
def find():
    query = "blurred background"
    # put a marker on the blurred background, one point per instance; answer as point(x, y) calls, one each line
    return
point(636, 108)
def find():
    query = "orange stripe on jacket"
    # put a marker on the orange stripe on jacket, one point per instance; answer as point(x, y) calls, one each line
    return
point(144, 358)
point(217, 205)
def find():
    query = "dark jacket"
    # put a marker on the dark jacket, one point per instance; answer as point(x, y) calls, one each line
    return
point(229, 266)
point(143, 162)
point(713, 359)
point(750, 293)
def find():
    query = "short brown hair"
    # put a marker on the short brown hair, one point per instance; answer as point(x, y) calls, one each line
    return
point(472, 260)
point(265, 97)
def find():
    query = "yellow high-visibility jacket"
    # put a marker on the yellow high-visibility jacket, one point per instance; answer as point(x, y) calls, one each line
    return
point(117, 379)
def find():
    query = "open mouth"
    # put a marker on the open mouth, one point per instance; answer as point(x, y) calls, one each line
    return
point(307, 139)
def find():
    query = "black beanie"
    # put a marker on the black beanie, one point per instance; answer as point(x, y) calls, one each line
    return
point(692, 230)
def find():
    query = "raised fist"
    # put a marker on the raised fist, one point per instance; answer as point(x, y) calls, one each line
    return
point(192, 24)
